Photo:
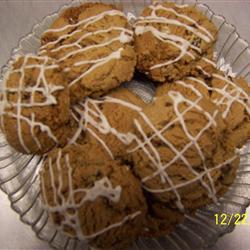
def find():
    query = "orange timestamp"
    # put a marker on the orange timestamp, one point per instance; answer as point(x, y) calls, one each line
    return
point(224, 219)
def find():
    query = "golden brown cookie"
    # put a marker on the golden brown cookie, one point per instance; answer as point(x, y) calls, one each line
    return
point(177, 140)
point(92, 199)
point(34, 105)
point(161, 219)
point(191, 86)
point(109, 121)
point(205, 66)
point(94, 45)
point(231, 97)
point(170, 38)
point(222, 171)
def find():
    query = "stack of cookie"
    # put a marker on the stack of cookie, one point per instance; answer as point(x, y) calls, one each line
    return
point(115, 167)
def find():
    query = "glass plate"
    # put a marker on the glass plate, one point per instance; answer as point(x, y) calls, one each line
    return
point(19, 173)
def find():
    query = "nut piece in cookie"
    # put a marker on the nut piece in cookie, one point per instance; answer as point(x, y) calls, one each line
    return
point(170, 38)
point(99, 201)
point(177, 139)
point(34, 105)
point(94, 45)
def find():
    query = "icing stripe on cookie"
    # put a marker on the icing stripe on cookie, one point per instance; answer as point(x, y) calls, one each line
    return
point(87, 21)
point(101, 188)
point(145, 24)
point(41, 86)
point(94, 118)
point(97, 63)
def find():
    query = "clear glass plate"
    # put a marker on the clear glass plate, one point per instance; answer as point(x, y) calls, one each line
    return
point(19, 173)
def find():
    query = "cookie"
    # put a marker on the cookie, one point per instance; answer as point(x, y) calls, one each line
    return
point(92, 199)
point(161, 219)
point(109, 121)
point(231, 97)
point(170, 39)
point(176, 141)
point(34, 105)
point(205, 66)
point(94, 45)
point(192, 86)
point(223, 173)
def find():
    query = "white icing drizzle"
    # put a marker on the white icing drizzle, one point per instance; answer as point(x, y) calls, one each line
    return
point(183, 184)
point(93, 117)
point(161, 169)
point(181, 6)
point(176, 5)
point(115, 225)
point(62, 204)
point(79, 129)
point(203, 71)
point(182, 44)
point(41, 86)
point(98, 63)
point(60, 38)
point(187, 18)
point(230, 94)
point(164, 20)
point(19, 109)
point(171, 39)
point(209, 61)
point(87, 21)
point(113, 55)
point(84, 36)
point(123, 36)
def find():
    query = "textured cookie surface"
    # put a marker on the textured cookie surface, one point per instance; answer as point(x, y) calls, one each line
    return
point(176, 147)
point(35, 105)
point(109, 121)
point(91, 199)
point(170, 38)
point(231, 96)
point(161, 219)
point(93, 43)
point(129, 169)
point(205, 66)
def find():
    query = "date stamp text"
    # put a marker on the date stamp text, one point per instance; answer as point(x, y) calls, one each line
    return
point(224, 219)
